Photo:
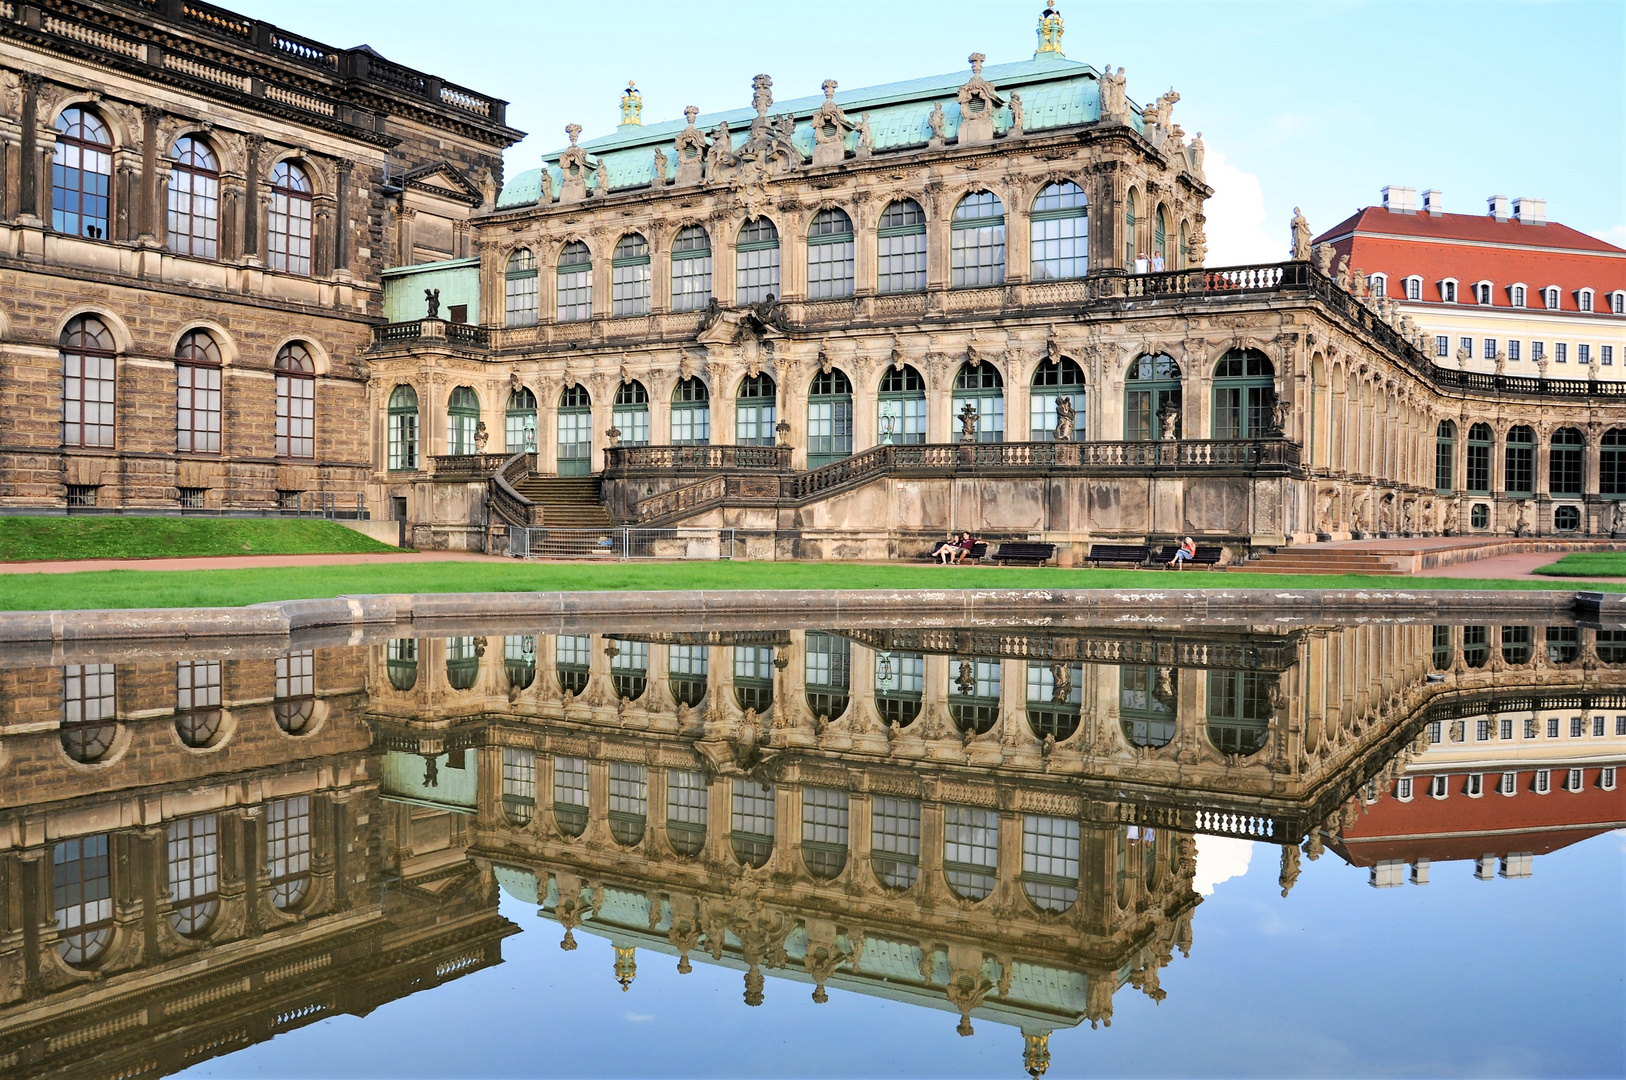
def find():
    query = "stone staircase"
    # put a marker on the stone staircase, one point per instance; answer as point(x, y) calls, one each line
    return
point(1311, 559)
point(567, 502)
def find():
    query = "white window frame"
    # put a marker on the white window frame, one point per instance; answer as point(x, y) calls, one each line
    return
point(1508, 785)
point(1439, 787)
point(1403, 789)
point(1483, 288)
point(1448, 290)
point(1606, 778)
point(1574, 780)
point(1583, 300)
point(1542, 782)
point(1551, 297)
point(1379, 284)
point(1617, 302)
point(1414, 287)
point(1474, 786)
point(1518, 294)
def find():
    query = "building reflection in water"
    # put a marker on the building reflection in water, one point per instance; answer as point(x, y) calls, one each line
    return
point(996, 823)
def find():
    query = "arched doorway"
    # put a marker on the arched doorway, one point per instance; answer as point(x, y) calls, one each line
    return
point(575, 431)
point(829, 418)
point(980, 386)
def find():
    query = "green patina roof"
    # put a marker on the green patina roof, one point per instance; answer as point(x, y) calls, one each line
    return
point(1056, 92)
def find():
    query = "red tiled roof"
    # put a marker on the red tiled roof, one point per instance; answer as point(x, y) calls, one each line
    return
point(1472, 249)
point(1458, 848)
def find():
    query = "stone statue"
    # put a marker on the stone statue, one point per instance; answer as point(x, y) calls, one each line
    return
point(1322, 255)
point(1407, 525)
point(1065, 414)
point(601, 179)
point(1343, 272)
point(1451, 521)
point(1169, 422)
point(1016, 114)
point(1278, 417)
point(1617, 521)
point(432, 298)
point(1301, 237)
point(660, 167)
point(1198, 151)
point(968, 423)
point(934, 120)
point(1521, 525)
point(482, 435)
point(866, 141)
point(719, 156)
point(1358, 286)
point(545, 186)
point(1114, 98)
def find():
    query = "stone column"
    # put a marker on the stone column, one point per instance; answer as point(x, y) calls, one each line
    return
point(251, 202)
point(1016, 238)
point(342, 246)
point(151, 192)
point(660, 272)
point(28, 155)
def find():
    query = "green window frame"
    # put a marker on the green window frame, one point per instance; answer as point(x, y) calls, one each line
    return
point(1241, 706)
point(1244, 394)
point(462, 417)
point(1051, 382)
point(1131, 206)
point(629, 414)
point(977, 242)
point(830, 255)
point(1151, 385)
point(829, 418)
point(903, 392)
point(756, 411)
point(1566, 462)
point(1478, 464)
point(520, 289)
point(900, 683)
point(900, 249)
point(519, 422)
point(691, 269)
point(1059, 232)
point(756, 267)
point(1519, 461)
point(574, 299)
point(1612, 463)
point(981, 386)
point(1148, 704)
point(1445, 457)
point(629, 277)
point(973, 693)
point(575, 430)
point(691, 413)
point(1053, 707)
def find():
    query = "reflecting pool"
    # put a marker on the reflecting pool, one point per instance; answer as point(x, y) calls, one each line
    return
point(739, 849)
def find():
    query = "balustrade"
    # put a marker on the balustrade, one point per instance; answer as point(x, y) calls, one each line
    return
point(620, 459)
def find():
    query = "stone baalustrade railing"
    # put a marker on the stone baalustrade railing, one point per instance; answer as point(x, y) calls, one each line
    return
point(469, 466)
point(619, 460)
point(1254, 456)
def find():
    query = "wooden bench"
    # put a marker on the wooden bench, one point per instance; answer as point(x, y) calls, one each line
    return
point(979, 551)
point(1024, 553)
point(1207, 556)
point(1117, 554)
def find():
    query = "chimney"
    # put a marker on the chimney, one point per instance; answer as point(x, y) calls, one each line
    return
point(1400, 200)
point(1529, 211)
point(1433, 202)
point(1496, 205)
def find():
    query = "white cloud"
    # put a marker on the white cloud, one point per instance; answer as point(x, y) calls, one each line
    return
point(1220, 858)
point(1236, 217)
point(638, 1018)
point(1615, 236)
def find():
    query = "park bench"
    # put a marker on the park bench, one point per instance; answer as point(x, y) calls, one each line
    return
point(1117, 554)
point(1207, 555)
point(1024, 553)
point(979, 551)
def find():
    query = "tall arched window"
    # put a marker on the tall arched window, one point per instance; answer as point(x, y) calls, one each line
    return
point(756, 261)
point(1160, 236)
point(824, 828)
point(901, 406)
point(288, 231)
point(82, 894)
point(754, 411)
point(519, 424)
point(575, 431)
point(630, 413)
point(753, 678)
point(197, 394)
point(1060, 232)
point(977, 241)
point(1519, 461)
point(572, 657)
point(1244, 394)
point(1050, 861)
point(89, 713)
point(687, 668)
point(686, 805)
point(518, 785)
point(1151, 396)
point(973, 694)
point(829, 418)
point(629, 277)
point(830, 255)
point(629, 802)
point(293, 701)
point(1445, 457)
point(570, 795)
point(980, 386)
point(1051, 383)
point(575, 283)
point(1148, 704)
point(1131, 205)
point(87, 383)
point(1477, 480)
point(751, 821)
point(288, 850)
point(691, 269)
point(296, 402)
point(401, 663)
point(970, 850)
point(519, 289)
point(403, 423)
point(1241, 705)
point(519, 659)
point(81, 174)
point(900, 684)
point(1612, 463)
point(1564, 462)
point(827, 667)
point(691, 413)
point(894, 838)
point(462, 419)
point(194, 872)
point(1055, 698)
point(197, 702)
point(900, 249)
point(194, 199)
point(462, 663)
point(1185, 247)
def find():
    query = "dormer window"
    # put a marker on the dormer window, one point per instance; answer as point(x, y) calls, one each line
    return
point(1515, 295)
point(1482, 293)
point(1448, 290)
point(1379, 284)
point(1583, 299)
point(1414, 288)
point(1617, 302)
point(1549, 298)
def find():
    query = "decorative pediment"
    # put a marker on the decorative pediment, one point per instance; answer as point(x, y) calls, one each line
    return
point(978, 102)
point(444, 179)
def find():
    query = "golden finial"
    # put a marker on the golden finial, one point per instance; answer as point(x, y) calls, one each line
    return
point(626, 966)
point(1050, 31)
point(632, 106)
point(1036, 1053)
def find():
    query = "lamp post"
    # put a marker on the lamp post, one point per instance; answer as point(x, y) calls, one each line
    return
point(889, 421)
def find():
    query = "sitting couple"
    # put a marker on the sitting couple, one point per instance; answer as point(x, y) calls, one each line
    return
point(956, 550)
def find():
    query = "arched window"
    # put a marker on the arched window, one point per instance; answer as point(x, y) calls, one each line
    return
point(197, 702)
point(1378, 284)
point(629, 802)
point(1050, 861)
point(754, 411)
point(401, 663)
point(1055, 696)
point(519, 289)
point(1244, 394)
point(901, 406)
point(1051, 382)
point(751, 821)
point(462, 419)
point(89, 718)
point(1151, 394)
point(82, 894)
point(900, 682)
point(296, 401)
point(829, 418)
point(518, 785)
point(980, 387)
point(691, 413)
point(1478, 463)
point(575, 431)
point(572, 654)
point(629, 277)
point(756, 262)
point(462, 663)
point(1564, 462)
point(519, 423)
point(1583, 299)
point(519, 660)
point(691, 269)
point(570, 795)
point(1482, 293)
point(1241, 705)
point(824, 830)
point(1518, 644)
point(1445, 457)
point(288, 851)
point(900, 249)
point(1612, 463)
point(629, 669)
point(403, 422)
point(1160, 237)
point(630, 413)
point(830, 255)
point(753, 678)
point(1185, 247)
point(973, 694)
point(977, 242)
point(87, 383)
point(1148, 703)
point(575, 283)
point(1131, 206)
point(1519, 461)
point(894, 840)
point(686, 812)
point(1517, 294)
point(827, 674)
point(687, 667)
point(194, 199)
point(194, 872)
point(81, 174)
point(970, 850)
point(293, 699)
point(288, 231)
point(1550, 297)
point(1060, 232)
point(197, 394)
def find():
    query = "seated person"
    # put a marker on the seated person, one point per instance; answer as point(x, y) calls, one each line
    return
point(1184, 553)
point(966, 545)
point(953, 549)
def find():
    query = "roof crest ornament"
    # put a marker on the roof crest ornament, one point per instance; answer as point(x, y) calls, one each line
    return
point(830, 127)
point(761, 99)
point(632, 106)
point(1050, 31)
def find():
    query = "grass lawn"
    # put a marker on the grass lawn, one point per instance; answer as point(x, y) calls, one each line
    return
point(224, 588)
point(111, 537)
point(1588, 564)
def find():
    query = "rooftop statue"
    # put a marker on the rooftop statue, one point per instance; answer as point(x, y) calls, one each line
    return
point(1016, 114)
point(866, 141)
point(1301, 237)
point(934, 120)
point(632, 106)
point(1114, 98)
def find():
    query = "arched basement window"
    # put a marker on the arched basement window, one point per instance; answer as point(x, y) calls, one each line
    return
point(519, 660)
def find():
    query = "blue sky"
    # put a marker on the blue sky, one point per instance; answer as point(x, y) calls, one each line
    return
point(1314, 103)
